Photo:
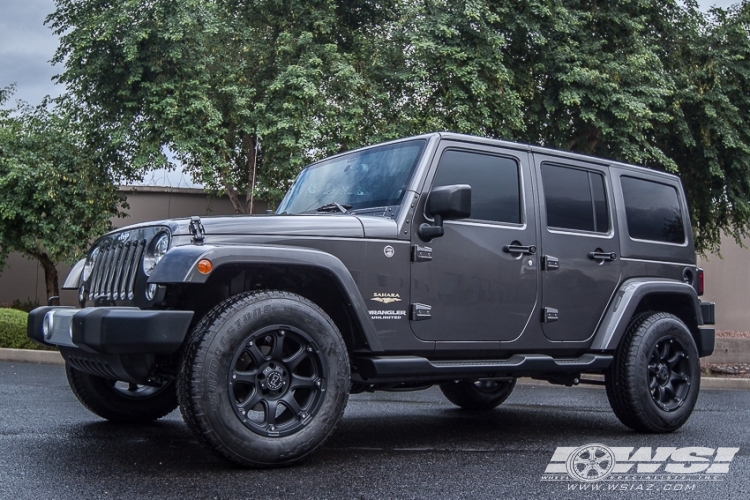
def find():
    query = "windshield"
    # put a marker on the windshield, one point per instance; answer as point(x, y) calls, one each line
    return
point(376, 177)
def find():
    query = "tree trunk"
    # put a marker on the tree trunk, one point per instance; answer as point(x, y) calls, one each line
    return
point(249, 144)
point(50, 275)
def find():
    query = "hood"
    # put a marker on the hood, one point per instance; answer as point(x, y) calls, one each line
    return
point(320, 225)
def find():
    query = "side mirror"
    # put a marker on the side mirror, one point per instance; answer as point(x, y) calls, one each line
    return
point(446, 203)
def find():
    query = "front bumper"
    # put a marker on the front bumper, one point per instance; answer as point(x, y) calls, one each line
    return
point(113, 330)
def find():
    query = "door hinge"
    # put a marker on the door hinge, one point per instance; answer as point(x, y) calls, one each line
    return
point(421, 254)
point(550, 315)
point(550, 263)
point(420, 312)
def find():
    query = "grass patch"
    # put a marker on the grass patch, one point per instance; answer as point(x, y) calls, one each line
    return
point(13, 330)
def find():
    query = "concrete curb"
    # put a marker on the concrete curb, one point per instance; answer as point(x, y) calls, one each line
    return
point(741, 384)
point(730, 351)
point(31, 356)
point(54, 358)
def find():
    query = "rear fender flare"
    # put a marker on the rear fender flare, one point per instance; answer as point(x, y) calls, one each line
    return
point(626, 301)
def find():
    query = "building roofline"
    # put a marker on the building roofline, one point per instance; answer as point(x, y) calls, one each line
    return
point(126, 188)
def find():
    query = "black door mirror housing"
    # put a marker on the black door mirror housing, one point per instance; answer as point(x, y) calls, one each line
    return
point(446, 203)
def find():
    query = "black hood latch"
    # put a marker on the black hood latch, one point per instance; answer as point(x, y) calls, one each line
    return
point(197, 230)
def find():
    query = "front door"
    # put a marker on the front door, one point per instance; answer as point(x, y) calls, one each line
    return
point(580, 248)
point(481, 283)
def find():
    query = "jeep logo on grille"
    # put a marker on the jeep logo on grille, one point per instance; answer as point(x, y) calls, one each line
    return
point(123, 237)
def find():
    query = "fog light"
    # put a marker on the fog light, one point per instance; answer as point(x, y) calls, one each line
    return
point(48, 324)
point(205, 266)
point(151, 291)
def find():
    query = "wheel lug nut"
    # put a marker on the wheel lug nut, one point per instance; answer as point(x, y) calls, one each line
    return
point(250, 344)
point(281, 333)
point(272, 428)
point(234, 377)
point(309, 348)
point(317, 383)
point(303, 416)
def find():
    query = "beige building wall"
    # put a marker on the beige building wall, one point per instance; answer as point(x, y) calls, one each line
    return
point(23, 279)
point(727, 282)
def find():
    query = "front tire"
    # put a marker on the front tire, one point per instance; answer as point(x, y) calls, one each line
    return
point(478, 395)
point(654, 380)
point(120, 401)
point(264, 379)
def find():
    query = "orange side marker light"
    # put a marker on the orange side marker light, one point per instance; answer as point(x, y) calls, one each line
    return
point(205, 266)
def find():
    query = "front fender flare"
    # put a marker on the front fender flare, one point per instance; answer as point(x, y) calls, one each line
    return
point(179, 265)
point(625, 302)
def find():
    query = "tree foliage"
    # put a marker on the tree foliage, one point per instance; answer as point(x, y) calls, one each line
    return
point(210, 81)
point(245, 92)
point(55, 195)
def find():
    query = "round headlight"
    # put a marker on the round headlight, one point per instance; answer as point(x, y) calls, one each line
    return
point(89, 266)
point(156, 252)
point(48, 324)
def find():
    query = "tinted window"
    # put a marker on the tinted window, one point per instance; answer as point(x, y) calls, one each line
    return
point(494, 181)
point(575, 199)
point(653, 211)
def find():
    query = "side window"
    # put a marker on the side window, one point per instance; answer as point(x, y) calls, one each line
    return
point(653, 211)
point(575, 199)
point(494, 181)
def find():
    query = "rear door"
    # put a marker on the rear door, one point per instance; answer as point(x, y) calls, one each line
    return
point(580, 248)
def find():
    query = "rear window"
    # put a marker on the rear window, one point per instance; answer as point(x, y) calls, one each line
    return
point(653, 211)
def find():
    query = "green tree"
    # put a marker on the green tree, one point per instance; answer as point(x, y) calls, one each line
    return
point(216, 83)
point(652, 82)
point(246, 92)
point(708, 135)
point(54, 196)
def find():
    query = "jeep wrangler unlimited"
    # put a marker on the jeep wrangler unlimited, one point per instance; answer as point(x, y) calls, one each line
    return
point(440, 259)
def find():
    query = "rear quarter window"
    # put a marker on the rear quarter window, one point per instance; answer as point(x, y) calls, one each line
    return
point(653, 211)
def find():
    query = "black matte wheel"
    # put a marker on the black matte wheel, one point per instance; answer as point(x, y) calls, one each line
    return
point(654, 380)
point(265, 379)
point(121, 401)
point(479, 394)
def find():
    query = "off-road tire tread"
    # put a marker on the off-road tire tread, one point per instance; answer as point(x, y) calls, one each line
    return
point(200, 339)
point(97, 397)
point(622, 395)
point(462, 394)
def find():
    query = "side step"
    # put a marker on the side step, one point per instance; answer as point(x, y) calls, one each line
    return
point(399, 368)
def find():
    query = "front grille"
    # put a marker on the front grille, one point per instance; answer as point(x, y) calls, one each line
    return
point(115, 270)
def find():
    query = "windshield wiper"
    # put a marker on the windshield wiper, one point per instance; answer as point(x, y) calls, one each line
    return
point(333, 207)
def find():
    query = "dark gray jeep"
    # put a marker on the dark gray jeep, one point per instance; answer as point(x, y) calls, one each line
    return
point(440, 259)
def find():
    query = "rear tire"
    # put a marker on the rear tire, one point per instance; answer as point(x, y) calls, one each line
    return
point(119, 401)
point(654, 380)
point(478, 395)
point(265, 379)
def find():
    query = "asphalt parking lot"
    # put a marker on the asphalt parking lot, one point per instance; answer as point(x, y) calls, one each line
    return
point(388, 445)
